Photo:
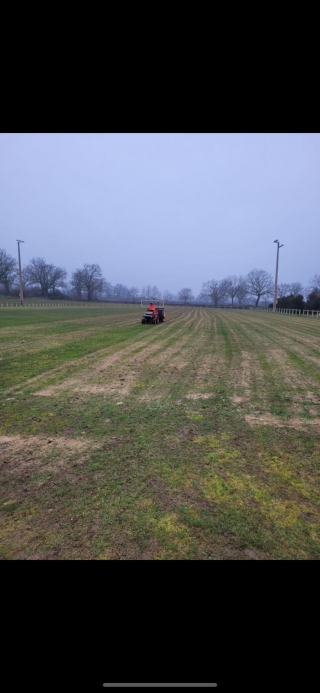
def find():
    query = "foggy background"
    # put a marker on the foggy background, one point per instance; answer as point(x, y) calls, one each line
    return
point(170, 210)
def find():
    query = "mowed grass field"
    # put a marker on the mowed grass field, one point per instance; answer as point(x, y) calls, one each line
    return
point(194, 439)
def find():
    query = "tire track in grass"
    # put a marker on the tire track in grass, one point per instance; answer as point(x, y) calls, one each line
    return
point(302, 346)
point(52, 341)
point(196, 371)
point(113, 378)
point(40, 328)
point(279, 392)
point(296, 372)
point(274, 343)
point(67, 366)
point(293, 333)
point(246, 378)
point(211, 362)
point(175, 366)
point(137, 351)
point(256, 387)
point(224, 358)
point(198, 495)
point(164, 347)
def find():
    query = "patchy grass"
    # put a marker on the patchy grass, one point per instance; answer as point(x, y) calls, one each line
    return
point(194, 439)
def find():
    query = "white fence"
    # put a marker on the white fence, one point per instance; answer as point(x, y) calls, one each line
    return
point(51, 304)
point(82, 304)
point(296, 311)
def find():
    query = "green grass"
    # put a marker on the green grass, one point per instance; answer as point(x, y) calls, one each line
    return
point(195, 439)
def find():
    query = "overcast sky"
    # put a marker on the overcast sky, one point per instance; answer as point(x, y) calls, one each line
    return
point(172, 209)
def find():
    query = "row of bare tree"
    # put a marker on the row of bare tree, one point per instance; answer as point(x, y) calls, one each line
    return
point(45, 279)
point(87, 282)
point(257, 283)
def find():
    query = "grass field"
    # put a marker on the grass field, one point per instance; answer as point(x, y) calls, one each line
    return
point(194, 439)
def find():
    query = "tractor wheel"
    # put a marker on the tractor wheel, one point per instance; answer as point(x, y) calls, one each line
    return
point(143, 321)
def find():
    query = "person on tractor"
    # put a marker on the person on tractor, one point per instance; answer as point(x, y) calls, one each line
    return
point(152, 307)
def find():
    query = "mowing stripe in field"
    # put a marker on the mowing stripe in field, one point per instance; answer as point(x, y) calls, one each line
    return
point(195, 439)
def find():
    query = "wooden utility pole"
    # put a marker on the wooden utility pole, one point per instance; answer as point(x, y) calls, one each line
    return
point(20, 274)
point(276, 279)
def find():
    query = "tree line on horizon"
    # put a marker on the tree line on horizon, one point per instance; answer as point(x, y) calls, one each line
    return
point(87, 283)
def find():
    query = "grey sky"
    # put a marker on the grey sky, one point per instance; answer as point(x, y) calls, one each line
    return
point(167, 209)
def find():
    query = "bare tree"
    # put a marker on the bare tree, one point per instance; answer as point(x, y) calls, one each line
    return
point(117, 290)
point(297, 288)
point(314, 284)
point(242, 289)
point(155, 293)
point(133, 292)
point(202, 296)
point(214, 290)
point(205, 292)
point(57, 277)
point(167, 296)
point(120, 291)
point(77, 282)
point(8, 270)
point(99, 289)
point(150, 292)
point(185, 295)
point(92, 276)
point(146, 292)
point(36, 273)
point(284, 290)
point(260, 283)
point(107, 289)
point(231, 287)
point(46, 276)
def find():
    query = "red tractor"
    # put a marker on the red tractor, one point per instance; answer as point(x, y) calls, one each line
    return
point(153, 315)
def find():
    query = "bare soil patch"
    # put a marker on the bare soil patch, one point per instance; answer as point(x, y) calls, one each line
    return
point(31, 453)
point(271, 420)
